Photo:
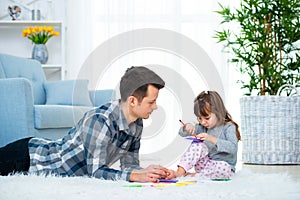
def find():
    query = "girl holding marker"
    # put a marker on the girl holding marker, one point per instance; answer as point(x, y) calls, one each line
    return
point(216, 155)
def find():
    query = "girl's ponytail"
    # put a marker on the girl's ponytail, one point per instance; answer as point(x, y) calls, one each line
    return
point(228, 118)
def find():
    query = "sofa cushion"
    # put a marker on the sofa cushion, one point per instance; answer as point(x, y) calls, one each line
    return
point(2, 74)
point(58, 116)
point(15, 67)
point(68, 92)
point(100, 97)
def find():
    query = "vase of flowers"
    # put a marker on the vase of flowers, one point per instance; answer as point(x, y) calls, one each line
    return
point(39, 35)
point(40, 53)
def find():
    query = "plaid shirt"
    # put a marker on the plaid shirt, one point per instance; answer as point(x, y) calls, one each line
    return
point(99, 139)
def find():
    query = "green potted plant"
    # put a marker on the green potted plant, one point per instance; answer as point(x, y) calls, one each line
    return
point(263, 38)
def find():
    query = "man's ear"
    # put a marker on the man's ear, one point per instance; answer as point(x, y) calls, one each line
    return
point(132, 100)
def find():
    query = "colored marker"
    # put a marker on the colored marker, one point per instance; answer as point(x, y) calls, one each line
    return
point(137, 186)
point(166, 181)
point(221, 179)
point(194, 139)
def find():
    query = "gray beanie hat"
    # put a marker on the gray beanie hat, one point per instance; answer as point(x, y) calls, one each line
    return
point(136, 77)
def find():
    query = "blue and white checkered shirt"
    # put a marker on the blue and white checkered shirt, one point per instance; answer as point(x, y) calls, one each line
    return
point(99, 139)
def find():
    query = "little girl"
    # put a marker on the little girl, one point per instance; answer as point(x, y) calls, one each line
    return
point(216, 155)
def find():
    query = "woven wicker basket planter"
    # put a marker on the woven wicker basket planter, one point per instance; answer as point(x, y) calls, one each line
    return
point(270, 128)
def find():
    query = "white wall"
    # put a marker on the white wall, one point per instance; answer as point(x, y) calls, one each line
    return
point(91, 23)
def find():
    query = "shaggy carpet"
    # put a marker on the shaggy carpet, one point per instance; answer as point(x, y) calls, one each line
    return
point(244, 185)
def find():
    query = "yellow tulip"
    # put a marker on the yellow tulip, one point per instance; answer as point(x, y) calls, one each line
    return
point(50, 28)
point(24, 33)
point(39, 34)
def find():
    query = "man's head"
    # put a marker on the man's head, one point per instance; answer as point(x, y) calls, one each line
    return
point(136, 80)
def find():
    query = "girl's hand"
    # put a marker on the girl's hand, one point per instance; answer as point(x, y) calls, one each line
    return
point(190, 128)
point(207, 137)
point(170, 174)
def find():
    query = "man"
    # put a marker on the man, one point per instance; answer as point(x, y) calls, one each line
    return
point(103, 136)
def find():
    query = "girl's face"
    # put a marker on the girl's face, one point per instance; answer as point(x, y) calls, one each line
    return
point(209, 121)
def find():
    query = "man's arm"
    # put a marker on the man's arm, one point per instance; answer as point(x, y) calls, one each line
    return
point(96, 138)
point(107, 173)
point(130, 162)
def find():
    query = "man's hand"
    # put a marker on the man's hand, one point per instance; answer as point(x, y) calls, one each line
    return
point(151, 174)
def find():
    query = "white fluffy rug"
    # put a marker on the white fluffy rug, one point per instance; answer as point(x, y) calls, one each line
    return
point(244, 185)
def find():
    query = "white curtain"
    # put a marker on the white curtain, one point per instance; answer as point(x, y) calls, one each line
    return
point(92, 24)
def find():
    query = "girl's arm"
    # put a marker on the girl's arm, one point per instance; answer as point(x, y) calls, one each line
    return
point(228, 144)
point(189, 129)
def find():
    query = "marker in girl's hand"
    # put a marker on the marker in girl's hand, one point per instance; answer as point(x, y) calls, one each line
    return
point(183, 124)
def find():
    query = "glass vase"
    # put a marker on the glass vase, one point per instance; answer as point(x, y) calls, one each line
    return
point(40, 53)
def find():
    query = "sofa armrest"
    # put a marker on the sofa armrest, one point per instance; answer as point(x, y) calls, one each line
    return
point(16, 110)
point(100, 97)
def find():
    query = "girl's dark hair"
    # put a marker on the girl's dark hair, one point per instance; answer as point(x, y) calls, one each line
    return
point(211, 102)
